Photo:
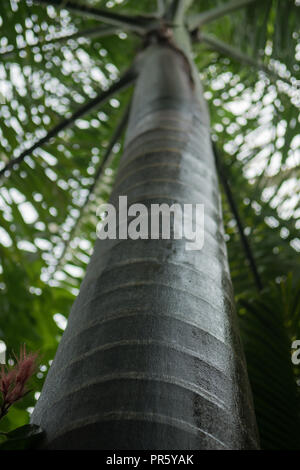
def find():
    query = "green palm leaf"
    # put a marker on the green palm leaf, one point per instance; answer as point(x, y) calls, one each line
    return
point(52, 62)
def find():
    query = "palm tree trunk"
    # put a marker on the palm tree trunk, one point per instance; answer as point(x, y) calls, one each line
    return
point(151, 357)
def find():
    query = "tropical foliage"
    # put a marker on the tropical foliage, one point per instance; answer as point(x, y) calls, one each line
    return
point(57, 167)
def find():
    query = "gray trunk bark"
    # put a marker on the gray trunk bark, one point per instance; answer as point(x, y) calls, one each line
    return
point(151, 357)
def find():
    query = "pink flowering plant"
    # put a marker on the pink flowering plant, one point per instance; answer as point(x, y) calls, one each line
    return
point(13, 380)
point(13, 387)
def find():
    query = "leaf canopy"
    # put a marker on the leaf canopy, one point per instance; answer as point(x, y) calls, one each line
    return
point(55, 60)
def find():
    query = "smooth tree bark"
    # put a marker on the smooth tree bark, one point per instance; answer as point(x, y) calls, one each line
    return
point(151, 357)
